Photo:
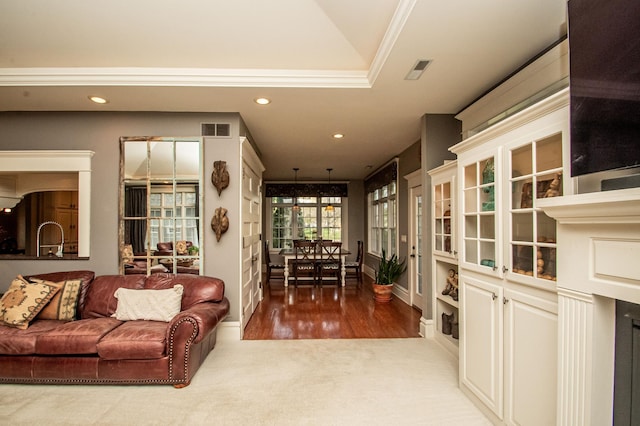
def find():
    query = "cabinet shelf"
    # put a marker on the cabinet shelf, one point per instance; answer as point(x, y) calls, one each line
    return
point(444, 254)
point(448, 300)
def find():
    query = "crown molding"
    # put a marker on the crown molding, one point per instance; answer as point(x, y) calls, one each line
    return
point(400, 17)
point(185, 77)
point(213, 77)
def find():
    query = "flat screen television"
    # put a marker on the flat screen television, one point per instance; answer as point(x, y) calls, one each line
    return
point(604, 58)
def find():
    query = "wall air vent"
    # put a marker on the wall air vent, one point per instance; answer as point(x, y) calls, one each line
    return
point(418, 69)
point(220, 130)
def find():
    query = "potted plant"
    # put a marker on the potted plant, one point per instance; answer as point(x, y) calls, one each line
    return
point(389, 270)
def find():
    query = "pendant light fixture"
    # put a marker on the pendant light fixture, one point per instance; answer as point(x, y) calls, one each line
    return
point(296, 207)
point(329, 207)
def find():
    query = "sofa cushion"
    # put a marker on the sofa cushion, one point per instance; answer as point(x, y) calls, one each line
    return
point(101, 301)
point(75, 338)
point(14, 341)
point(126, 252)
point(135, 340)
point(85, 276)
point(154, 304)
point(63, 305)
point(24, 300)
point(181, 247)
point(197, 288)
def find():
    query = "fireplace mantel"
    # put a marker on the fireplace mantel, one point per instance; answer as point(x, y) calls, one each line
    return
point(598, 262)
point(621, 206)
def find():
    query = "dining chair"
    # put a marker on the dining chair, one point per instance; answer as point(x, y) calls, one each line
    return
point(305, 259)
point(329, 264)
point(354, 268)
point(271, 266)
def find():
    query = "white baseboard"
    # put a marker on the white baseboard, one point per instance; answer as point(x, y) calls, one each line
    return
point(426, 328)
point(402, 294)
point(229, 330)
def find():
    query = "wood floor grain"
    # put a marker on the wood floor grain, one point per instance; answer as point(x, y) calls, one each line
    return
point(329, 312)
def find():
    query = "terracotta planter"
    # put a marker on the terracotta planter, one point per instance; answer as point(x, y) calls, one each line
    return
point(382, 293)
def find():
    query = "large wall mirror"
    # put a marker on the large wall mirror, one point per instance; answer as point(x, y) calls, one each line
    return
point(160, 205)
point(45, 201)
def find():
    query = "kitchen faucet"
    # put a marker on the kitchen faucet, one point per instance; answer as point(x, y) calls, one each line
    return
point(59, 246)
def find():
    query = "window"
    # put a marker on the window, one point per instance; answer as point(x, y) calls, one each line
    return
point(175, 221)
point(382, 219)
point(312, 220)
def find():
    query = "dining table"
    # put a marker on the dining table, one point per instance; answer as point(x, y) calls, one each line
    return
point(290, 254)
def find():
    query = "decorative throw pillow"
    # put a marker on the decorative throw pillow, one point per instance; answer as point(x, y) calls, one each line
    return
point(154, 305)
point(126, 251)
point(181, 247)
point(63, 305)
point(24, 300)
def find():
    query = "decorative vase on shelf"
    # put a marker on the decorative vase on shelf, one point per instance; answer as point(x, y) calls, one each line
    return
point(488, 177)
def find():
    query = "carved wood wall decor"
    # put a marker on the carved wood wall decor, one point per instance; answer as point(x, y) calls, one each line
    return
point(220, 176)
point(220, 222)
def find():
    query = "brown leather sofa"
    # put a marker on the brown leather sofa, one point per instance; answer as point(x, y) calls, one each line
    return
point(166, 248)
point(97, 348)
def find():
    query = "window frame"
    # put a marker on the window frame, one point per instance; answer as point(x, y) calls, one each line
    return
point(382, 211)
point(319, 204)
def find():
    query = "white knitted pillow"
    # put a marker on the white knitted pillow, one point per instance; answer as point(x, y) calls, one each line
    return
point(153, 305)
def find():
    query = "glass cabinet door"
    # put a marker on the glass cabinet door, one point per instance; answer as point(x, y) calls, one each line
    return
point(442, 217)
point(479, 228)
point(536, 172)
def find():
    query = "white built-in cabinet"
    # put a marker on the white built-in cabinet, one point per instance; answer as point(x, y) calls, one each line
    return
point(507, 262)
point(444, 255)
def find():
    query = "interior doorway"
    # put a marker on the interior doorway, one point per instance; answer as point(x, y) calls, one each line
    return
point(416, 207)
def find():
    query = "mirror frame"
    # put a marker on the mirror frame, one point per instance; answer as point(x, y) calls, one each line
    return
point(70, 161)
point(149, 257)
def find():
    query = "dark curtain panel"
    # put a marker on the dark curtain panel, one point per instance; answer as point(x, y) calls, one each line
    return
point(198, 211)
point(135, 205)
point(306, 190)
point(382, 177)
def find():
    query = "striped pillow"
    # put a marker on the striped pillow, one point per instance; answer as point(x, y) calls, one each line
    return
point(63, 305)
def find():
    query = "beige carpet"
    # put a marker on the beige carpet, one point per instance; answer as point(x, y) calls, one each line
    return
point(285, 382)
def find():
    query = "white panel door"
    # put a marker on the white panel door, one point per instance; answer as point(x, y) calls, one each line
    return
point(481, 341)
point(251, 246)
point(416, 281)
point(531, 351)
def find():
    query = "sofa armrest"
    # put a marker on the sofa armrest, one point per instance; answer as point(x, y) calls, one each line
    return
point(205, 316)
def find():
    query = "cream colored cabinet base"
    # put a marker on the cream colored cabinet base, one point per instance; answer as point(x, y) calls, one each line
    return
point(508, 352)
point(530, 359)
point(508, 262)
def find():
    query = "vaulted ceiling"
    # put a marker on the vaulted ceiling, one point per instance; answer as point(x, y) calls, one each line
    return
point(328, 66)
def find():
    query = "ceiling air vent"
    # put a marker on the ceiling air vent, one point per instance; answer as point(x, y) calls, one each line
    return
point(220, 130)
point(418, 69)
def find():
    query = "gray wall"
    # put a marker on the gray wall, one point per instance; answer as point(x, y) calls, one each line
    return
point(409, 162)
point(100, 132)
point(439, 132)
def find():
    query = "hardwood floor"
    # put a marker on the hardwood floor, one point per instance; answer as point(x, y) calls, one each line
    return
point(329, 312)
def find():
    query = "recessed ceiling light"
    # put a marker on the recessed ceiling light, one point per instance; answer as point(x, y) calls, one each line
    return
point(98, 99)
point(262, 101)
point(338, 136)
